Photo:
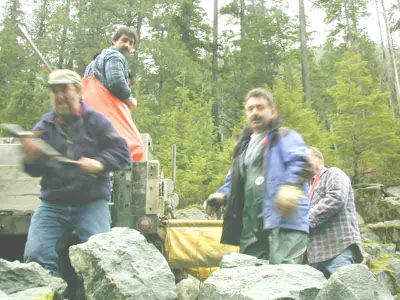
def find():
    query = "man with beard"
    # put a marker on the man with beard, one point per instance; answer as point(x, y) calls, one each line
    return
point(106, 88)
point(265, 193)
point(75, 192)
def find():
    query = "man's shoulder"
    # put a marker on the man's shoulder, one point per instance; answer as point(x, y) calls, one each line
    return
point(45, 121)
point(288, 136)
point(111, 53)
point(287, 132)
point(93, 115)
point(336, 173)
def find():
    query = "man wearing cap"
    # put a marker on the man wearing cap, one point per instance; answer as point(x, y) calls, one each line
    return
point(106, 88)
point(74, 195)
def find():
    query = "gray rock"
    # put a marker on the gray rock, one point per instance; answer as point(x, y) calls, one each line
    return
point(121, 264)
point(191, 213)
point(34, 293)
point(354, 282)
point(264, 281)
point(368, 235)
point(388, 231)
point(3, 296)
point(367, 199)
point(375, 250)
point(394, 269)
point(392, 191)
point(239, 260)
point(386, 279)
point(188, 289)
point(374, 207)
point(16, 277)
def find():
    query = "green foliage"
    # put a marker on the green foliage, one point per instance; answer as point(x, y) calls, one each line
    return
point(296, 114)
point(365, 130)
point(199, 163)
point(173, 80)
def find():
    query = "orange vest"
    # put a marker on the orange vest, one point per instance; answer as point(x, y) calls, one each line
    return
point(102, 100)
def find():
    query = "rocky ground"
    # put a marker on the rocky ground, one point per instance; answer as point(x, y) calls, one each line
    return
point(122, 265)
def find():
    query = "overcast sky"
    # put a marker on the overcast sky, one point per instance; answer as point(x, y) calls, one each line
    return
point(315, 19)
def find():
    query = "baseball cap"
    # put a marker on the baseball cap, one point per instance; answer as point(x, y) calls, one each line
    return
point(64, 76)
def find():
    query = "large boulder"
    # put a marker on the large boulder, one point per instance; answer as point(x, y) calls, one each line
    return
point(367, 198)
point(263, 281)
point(354, 282)
point(16, 277)
point(388, 231)
point(121, 264)
point(374, 207)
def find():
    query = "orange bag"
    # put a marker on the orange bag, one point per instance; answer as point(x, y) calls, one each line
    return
point(96, 95)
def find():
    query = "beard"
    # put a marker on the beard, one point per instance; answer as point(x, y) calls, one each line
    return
point(123, 49)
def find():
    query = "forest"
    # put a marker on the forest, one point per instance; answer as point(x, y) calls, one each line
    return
point(190, 76)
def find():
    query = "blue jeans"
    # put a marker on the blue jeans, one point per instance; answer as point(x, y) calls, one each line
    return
point(52, 222)
point(328, 267)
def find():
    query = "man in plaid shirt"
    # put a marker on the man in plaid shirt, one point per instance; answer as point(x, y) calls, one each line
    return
point(106, 88)
point(334, 240)
point(111, 67)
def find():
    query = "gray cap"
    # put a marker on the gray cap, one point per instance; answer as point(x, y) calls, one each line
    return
point(64, 76)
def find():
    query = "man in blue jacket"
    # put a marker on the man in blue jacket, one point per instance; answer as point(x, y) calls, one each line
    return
point(74, 195)
point(265, 192)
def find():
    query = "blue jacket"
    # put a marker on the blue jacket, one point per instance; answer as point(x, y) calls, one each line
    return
point(286, 157)
point(88, 135)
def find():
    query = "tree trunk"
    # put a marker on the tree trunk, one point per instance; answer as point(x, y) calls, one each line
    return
point(139, 24)
point(215, 48)
point(242, 24)
point(61, 56)
point(349, 34)
point(217, 109)
point(305, 65)
point(392, 58)
point(386, 65)
point(43, 14)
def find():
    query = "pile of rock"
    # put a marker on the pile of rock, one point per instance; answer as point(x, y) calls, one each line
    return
point(380, 231)
point(20, 281)
point(121, 264)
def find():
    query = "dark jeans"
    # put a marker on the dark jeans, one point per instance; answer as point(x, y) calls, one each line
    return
point(328, 267)
point(52, 222)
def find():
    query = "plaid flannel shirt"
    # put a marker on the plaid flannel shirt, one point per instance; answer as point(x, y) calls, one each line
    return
point(333, 223)
point(111, 68)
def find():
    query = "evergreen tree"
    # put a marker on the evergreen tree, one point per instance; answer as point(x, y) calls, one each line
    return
point(365, 130)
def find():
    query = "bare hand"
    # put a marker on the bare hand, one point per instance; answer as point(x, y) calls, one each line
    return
point(131, 102)
point(287, 199)
point(90, 165)
point(32, 147)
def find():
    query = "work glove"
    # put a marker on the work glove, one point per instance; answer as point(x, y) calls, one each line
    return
point(213, 203)
point(288, 198)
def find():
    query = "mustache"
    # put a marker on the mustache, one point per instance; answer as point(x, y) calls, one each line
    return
point(255, 118)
